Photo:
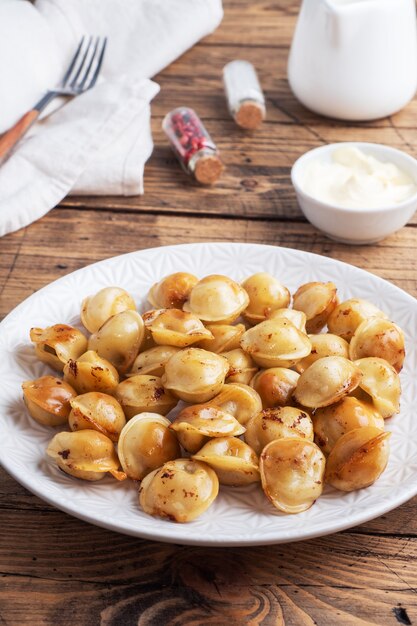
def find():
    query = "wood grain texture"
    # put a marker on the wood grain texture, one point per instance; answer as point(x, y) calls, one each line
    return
point(66, 240)
point(57, 570)
point(349, 578)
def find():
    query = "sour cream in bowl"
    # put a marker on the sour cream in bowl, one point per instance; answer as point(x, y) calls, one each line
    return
point(356, 192)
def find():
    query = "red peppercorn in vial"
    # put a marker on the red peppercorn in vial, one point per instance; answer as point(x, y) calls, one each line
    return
point(192, 145)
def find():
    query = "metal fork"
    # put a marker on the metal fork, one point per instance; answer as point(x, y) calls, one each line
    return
point(80, 76)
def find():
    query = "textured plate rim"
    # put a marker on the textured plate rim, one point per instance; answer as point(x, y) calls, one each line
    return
point(177, 533)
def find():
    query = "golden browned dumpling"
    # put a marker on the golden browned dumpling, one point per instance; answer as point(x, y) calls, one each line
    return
point(275, 385)
point(179, 491)
point(152, 362)
point(141, 393)
point(171, 327)
point(91, 373)
point(279, 423)
point(382, 383)
point(97, 411)
point(266, 294)
point(196, 424)
point(97, 309)
point(292, 473)
point(317, 300)
point(358, 459)
point(323, 345)
point(145, 444)
point(225, 337)
point(348, 315)
point(57, 344)
point(172, 291)
point(147, 342)
point(234, 462)
point(240, 400)
point(380, 338)
point(241, 366)
point(332, 422)
point(85, 454)
point(298, 318)
point(119, 339)
point(217, 299)
point(48, 400)
point(275, 343)
point(326, 381)
point(195, 375)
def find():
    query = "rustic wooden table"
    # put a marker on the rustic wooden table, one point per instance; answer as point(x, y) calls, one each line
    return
point(58, 570)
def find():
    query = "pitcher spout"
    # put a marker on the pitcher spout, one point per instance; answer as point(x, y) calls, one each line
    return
point(340, 16)
point(332, 26)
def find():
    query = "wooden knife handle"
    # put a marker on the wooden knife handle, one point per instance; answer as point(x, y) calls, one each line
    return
point(10, 138)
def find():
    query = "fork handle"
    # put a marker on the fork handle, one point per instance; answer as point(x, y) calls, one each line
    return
point(10, 138)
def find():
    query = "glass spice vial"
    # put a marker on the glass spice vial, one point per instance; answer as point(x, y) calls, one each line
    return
point(244, 94)
point(192, 145)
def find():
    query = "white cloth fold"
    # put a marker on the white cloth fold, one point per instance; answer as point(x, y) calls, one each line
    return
point(98, 143)
point(144, 35)
point(74, 139)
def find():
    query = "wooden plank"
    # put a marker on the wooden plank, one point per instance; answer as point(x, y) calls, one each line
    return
point(258, 23)
point(341, 579)
point(66, 240)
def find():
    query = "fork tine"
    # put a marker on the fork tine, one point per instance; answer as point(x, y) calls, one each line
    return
point(99, 64)
point(82, 64)
point(81, 85)
point(73, 62)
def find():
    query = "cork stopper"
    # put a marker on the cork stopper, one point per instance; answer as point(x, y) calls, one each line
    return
point(207, 169)
point(250, 115)
point(244, 95)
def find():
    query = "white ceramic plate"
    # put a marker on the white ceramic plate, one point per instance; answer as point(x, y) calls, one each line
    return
point(239, 516)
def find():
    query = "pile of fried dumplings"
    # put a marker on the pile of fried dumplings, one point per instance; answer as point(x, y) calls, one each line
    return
point(221, 383)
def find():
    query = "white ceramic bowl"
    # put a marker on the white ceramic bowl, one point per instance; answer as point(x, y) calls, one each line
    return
point(356, 226)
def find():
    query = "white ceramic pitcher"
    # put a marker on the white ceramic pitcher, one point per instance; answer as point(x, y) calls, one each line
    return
point(354, 59)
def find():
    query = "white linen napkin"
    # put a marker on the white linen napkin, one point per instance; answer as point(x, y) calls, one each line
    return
point(98, 142)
